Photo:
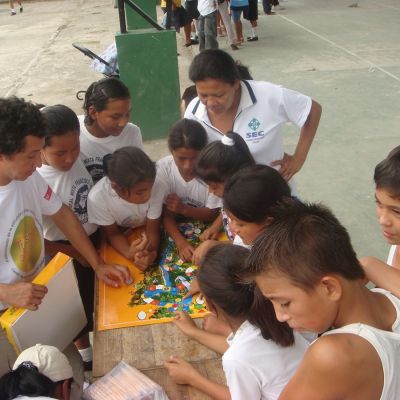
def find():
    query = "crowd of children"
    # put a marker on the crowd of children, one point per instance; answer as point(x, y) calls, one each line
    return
point(286, 273)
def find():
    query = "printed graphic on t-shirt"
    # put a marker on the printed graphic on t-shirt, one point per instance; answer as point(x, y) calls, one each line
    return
point(24, 244)
point(94, 165)
point(78, 200)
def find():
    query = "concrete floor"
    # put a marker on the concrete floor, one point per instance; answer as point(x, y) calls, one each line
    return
point(346, 58)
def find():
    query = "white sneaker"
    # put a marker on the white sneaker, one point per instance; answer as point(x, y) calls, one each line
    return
point(13, 12)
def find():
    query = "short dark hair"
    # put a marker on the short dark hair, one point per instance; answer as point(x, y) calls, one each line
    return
point(387, 173)
point(25, 381)
point(252, 193)
point(304, 242)
point(187, 133)
point(218, 161)
point(59, 120)
point(18, 119)
point(99, 93)
point(220, 280)
point(214, 64)
point(127, 166)
point(189, 94)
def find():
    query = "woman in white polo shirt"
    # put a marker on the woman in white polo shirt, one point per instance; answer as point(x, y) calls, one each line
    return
point(254, 109)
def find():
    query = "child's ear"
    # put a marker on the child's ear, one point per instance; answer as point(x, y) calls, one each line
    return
point(116, 187)
point(332, 287)
point(92, 112)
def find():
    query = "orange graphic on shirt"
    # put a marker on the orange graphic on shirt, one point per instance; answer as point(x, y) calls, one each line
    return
point(26, 245)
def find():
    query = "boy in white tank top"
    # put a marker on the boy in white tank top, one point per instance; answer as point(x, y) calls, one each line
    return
point(305, 264)
point(387, 197)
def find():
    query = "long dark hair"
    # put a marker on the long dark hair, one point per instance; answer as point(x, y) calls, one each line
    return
point(221, 281)
point(252, 193)
point(26, 380)
point(218, 161)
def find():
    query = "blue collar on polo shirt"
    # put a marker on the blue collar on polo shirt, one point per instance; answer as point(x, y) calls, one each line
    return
point(247, 99)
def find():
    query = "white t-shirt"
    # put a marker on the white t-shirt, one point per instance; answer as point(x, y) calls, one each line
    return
point(256, 368)
point(22, 204)
point(93, 149)
point(169, 180)
point(206, 7)
point(73, 188)
point(263, 109)
point(105, 207)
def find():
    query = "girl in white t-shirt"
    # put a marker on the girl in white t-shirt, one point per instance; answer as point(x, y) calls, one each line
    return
point(260, 355)
point(120, 201)
point(217, 162)
point(181, 192)
point(65, 173)
point(105, 127)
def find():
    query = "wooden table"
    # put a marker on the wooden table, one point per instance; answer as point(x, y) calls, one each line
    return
point(147, 347)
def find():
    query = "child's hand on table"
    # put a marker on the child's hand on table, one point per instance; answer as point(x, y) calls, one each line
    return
point(183, 321)
point(194, 288)
point(137, 246)
point(201, 251)
point(144, 258)
point(180, 371)
point(113, 275)
point(185, 250)
point(209, 234)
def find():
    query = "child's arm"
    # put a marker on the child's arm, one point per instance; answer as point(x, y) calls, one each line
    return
point(291, 164)
point(213, 341)
point(334, 368)
point(184, 247)
point(381, 274)
point(174, 204)
point(69, 224)
point(120, 242)
point(212, 232)
point(147, 256)
point(183, 373)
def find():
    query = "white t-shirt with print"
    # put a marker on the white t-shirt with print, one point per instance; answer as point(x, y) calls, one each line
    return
point(256, 368)
point(105, 207)
point(93, 149)
point(73, 188)
point(264, 107)
point(22, 204)
point(169, 180)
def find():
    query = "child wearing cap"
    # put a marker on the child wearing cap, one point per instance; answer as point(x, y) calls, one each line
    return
point(39, 372)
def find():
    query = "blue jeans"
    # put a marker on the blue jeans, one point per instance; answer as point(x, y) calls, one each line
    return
point(208, 31)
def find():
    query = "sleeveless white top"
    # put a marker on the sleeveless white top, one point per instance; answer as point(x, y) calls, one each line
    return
point(386, 344)
point(391, 254)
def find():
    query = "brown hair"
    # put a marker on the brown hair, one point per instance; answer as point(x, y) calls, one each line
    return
point(304, 242)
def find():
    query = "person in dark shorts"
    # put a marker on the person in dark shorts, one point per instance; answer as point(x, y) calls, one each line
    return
point(251, 14)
